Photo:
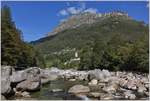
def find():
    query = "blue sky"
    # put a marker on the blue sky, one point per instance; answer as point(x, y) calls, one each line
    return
point(36, 19)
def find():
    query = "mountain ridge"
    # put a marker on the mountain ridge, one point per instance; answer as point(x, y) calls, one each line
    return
point(78, 20)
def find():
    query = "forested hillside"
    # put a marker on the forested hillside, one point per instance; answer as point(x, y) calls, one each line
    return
point(113, 41)
point(14, 51)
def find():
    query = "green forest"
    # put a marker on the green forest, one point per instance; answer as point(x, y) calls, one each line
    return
point(115, 43)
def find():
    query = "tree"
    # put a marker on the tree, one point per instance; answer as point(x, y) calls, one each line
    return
point(15, 51)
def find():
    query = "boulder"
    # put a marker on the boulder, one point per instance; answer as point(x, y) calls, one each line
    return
point(5, 86)
point(72, 79)
point(48, 75)
point(3, 97)
point(32, 72)
point(18, 76)
point(94, 94)
point(44, 80)
point(95, 74)
point(106, 97)
point(129, 95)
point(28, 85)
point(93, 82)
point(112, 88)
point(6, 71)
point(79, 89)
point(106, 73)
point(141, 89)
point(25, 94)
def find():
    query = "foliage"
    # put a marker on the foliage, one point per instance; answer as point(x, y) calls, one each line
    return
point(14, 50)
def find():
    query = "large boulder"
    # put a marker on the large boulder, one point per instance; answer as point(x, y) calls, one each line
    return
point(5, 86)
point(47, 76)
point(95, 74)
point(32, 82)
point(18, 76)
point(32, 72)
point(28, 85)
point(106, 73)
point(98, 74)
point(6, 71)
point(79, 89)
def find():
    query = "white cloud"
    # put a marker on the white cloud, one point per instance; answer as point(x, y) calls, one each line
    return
point(73, 10)
point(77, 10)
point(63, 12)
point(91, 10)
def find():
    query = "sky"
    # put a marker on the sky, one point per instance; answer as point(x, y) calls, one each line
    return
point(37, 19)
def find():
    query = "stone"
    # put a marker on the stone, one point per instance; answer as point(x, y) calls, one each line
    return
point(141, 89)
point(18, 94)
point(94, 94)
point(93, 82)
point(48, 75)
point(26, 94)
point(5, 85)
point(57, 90)
point(129, 95)
point(111, 88)
point(28, 86)
point(3, 97)
point(106, 73)
point(18, 76)
point(95, 88)
point(79, 89)
point(45, 80)
point(95, 74)
point(72, 79)
point(6, 71)
point(102, 84)
point(106, 97)
point(146, 93)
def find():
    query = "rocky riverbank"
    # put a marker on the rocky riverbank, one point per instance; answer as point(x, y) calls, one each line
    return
point(102, 84)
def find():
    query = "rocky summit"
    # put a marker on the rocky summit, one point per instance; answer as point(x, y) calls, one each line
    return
point(83, 18)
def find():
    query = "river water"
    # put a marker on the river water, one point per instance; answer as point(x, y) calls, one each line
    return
point(58, 90)
point(48, 91)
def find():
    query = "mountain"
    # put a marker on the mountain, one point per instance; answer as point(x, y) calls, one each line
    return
point(83, 18)
point(81, 29)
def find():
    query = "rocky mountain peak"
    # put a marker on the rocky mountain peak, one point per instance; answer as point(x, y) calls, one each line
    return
point(75, 21)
